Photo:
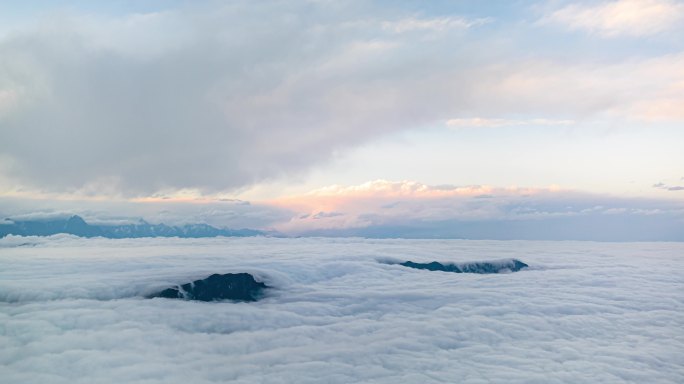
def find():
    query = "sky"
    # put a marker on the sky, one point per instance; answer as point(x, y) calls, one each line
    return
point(393, 118)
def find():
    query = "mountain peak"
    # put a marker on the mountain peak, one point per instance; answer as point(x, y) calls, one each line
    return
point(76, 219)
point(76, 225)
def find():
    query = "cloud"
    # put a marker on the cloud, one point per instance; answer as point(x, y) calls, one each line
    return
point(208, 97)
point(386, 188)
point(620, 18)
point(479, 122)
point(437, 24)
point(216, 98)
point(409, 209)
point(323, 215)
point(668, 187)
point(7, 100)
point(639, 89)
point(72, 312)
point(397, 209)
point(218, 213)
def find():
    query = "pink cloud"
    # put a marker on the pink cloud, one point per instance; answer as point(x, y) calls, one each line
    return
point(623, 17)
point(385, 202)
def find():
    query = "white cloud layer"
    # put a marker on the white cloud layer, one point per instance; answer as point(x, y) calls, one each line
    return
point(71, 312)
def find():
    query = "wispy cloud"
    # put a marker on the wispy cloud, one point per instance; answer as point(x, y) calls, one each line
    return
point(639, 89)
point(620, 18)
point(8, 99)
point(386, 188)
point(437, 24)
point(478, 122)
point(668, 187)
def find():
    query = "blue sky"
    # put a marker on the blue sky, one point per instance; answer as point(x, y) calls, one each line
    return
point(273, 102)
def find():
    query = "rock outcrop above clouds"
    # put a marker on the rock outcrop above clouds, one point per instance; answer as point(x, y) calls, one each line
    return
point(230, 286)
point(497, 266)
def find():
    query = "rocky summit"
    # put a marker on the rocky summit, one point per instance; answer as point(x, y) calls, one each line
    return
point(498, 266)
point(230, 286)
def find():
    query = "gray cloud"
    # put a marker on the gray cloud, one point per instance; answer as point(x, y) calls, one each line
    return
point(212, 99)
point(323, 215)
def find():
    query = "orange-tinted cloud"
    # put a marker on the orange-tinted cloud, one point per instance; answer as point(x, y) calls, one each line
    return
point(382, 201)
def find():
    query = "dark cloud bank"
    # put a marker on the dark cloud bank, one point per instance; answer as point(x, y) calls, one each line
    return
point(214, 98)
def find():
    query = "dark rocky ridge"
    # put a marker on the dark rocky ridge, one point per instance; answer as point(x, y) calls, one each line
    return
point(499, 266)
point(231, 286)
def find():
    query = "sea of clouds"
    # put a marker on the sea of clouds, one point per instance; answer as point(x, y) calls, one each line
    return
point(73, 311)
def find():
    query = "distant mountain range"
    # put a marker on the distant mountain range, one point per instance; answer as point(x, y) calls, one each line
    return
point(75, 225)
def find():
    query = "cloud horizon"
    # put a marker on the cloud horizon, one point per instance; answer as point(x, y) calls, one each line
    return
point(387, 209)
point(220, 98)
